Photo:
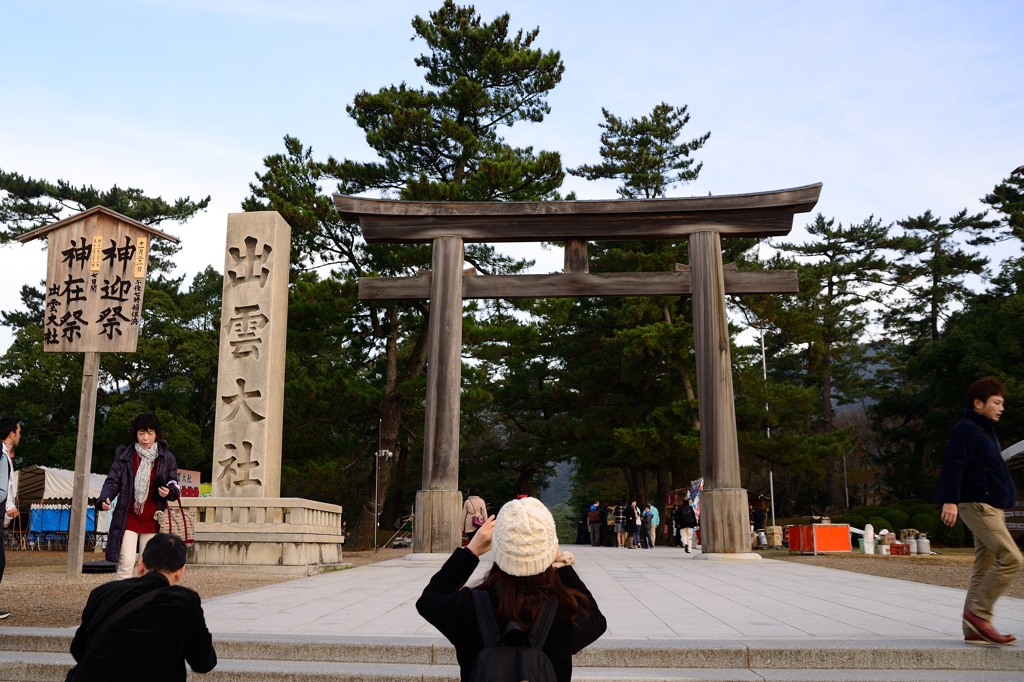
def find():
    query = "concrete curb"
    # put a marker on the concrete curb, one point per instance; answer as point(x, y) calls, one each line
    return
point(611, 653)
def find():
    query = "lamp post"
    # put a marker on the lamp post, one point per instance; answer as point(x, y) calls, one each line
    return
point(376, 484)
point(767, 428)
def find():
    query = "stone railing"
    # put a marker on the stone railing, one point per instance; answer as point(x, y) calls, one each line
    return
point(264, 515)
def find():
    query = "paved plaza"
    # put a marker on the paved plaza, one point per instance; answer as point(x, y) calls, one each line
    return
point(662, 594)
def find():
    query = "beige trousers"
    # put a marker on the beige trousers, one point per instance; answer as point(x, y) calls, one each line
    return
point(686, 535)
point(126, 560)
point(996, 558)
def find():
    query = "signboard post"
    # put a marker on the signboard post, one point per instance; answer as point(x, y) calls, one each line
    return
point(95, 281)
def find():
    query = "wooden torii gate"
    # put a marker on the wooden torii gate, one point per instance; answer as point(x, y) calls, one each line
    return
point(703, 220)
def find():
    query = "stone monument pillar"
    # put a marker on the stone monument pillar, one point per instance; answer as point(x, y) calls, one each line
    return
point(250, 376)
point(246, 525)
point(723, 516)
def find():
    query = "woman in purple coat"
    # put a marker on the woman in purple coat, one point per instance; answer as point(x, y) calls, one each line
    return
point(143, 478)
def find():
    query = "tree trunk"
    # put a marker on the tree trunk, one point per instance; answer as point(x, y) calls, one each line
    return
point(363, 531)
point(684, 377)
point(662, 494)
point(835, 491)
point(526, 475)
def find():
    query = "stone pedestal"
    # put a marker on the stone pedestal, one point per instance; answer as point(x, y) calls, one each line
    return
point(436, 528)
point(725, 528)
point(289, 536)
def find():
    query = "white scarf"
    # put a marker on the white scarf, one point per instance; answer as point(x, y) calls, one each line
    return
point(142, 476)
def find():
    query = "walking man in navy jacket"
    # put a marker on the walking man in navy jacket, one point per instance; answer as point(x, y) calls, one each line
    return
point(977, 486)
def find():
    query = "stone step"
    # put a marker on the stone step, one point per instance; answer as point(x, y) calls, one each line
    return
point(52, 667)
point(607, 653)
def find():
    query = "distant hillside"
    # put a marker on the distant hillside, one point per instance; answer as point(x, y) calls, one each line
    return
point(558, 490)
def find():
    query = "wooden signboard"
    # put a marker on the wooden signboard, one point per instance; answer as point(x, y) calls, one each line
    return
point(95, 281)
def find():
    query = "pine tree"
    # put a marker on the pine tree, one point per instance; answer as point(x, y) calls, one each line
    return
point(841, 269)
point(437, 143)
point(27, 203)
point(443, 143)
point(644, 153)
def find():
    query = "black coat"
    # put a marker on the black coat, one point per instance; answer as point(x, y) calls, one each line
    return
point(122, 479)
point(974, 470)
point(684, 516)
point(632, 519)
point(448, 606)
point(152, 642)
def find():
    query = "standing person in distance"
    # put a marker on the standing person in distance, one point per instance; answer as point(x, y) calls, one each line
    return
point(645, 528)
point(620, 524)
point(474, 512)
point(977, 486)
point(594, 523)
point(10, 434)
point(152, 640)
point(633, 526)
point(685, 519)
point(140, 478)
point(529, 573)
point(655, 522)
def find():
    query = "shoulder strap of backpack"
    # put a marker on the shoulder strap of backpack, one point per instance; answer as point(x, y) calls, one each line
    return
point(123, 611)
point(541, 626)
point(485, 618)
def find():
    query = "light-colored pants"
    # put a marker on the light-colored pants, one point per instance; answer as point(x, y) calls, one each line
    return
point(133, 545)
point(996, 558)
point(686, 536)
point(651, 533)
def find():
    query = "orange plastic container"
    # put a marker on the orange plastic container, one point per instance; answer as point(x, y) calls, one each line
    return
point(820, 538)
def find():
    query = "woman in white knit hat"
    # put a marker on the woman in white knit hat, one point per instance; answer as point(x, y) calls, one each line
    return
point(529, 569)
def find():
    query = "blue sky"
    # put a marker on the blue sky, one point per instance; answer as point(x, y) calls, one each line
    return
point(895, 107)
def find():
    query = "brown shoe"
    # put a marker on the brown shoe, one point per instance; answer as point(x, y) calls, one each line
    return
point(984, 629)
point(977, 639)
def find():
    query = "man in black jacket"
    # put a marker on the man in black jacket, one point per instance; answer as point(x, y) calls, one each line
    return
point(154, 639)
point(977, 486)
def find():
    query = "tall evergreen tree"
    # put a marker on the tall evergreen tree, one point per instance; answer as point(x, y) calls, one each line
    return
point(841, 269)
point(27, 203)
point(645, 153)
point(438, 143)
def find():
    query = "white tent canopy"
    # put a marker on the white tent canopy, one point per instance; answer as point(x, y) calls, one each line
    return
point(35, 484)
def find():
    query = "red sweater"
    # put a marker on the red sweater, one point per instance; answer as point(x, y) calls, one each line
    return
point(144, 522)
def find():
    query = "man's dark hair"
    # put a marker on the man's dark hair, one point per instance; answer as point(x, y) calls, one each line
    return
point(982, 390)
point(145, 422)
point(165, 553)
point(8, 425)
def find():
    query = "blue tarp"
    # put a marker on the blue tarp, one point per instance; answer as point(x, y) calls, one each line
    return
point(57, 519)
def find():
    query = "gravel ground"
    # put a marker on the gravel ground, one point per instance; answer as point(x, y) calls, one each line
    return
point(952, 568)
point(36, 594)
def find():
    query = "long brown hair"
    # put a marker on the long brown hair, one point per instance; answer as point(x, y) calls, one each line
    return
point(520, 598)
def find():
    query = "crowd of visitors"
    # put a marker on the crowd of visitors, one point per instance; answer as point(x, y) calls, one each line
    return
point(616, 524)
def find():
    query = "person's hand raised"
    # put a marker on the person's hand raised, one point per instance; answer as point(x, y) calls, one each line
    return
point(481, 541)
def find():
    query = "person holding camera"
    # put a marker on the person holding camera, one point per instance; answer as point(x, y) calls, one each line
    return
point(145, 628)
point(144, 477)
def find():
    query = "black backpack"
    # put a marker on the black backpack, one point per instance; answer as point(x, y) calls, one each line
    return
point(513, 656)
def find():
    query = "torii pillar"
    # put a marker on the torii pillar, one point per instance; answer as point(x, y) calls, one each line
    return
point(703, 220)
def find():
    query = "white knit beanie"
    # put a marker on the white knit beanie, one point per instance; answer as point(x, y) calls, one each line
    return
point(524, 541)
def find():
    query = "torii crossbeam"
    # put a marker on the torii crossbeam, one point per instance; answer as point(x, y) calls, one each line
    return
point(702, 220)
